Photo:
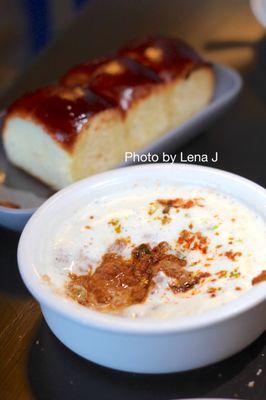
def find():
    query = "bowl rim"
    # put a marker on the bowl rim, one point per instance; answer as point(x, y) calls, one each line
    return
point(85, 316)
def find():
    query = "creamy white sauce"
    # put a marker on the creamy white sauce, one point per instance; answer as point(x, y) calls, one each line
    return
point(84, 236)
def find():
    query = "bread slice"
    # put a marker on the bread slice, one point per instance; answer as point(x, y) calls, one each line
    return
point(103, 108)
point(133, 88)
point(60, 135)
point(188, 80)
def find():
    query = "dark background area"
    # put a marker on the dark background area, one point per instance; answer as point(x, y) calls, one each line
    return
point(33, 363)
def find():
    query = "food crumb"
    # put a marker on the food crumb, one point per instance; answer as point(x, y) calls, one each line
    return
point(231, 255)
point(259, 372)
point(9, 204)
point(221, 274)
point(2, 177)
point(251, 384)
point(46, 278)
point(153, 208)
point(234, 274)
point(166, 210)
point(166, 220)
point(37, 342)
point(116, 224)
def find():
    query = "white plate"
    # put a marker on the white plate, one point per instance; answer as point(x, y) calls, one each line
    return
point(228, 85)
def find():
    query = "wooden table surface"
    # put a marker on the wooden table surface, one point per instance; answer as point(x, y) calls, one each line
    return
point(33, 364)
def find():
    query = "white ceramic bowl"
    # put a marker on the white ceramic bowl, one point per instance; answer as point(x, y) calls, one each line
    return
point(144, 346)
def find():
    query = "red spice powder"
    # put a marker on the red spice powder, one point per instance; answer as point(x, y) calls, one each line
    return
point(232, 256)
point(193, 241)
point(180, 203)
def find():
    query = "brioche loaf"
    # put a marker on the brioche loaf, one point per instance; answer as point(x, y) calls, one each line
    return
point(103, 108)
